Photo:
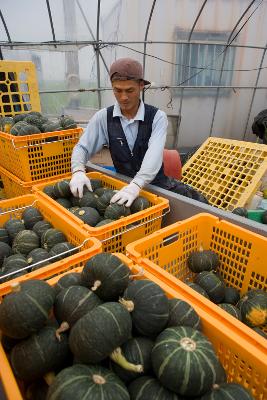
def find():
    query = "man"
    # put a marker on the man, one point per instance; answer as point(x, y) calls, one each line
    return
point(135, 134)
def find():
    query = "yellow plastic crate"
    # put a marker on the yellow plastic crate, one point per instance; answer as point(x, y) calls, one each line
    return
point(21, 89)
point(87, 246)
point(245, 362)
point(14, 187)
point(116, 235)
point(227, 172)
point(242, 257)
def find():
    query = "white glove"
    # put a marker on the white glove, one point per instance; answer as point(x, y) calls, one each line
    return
point(126, 195)
point(78, 181)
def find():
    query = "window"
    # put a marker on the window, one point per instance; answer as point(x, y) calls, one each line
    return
point(202, 55)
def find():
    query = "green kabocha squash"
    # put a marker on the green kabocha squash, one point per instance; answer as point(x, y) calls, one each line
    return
point(88, 215)
point(62, 189)
point(212, 284)
point(51, 237)
point(8, 343)
point(26, 309)
point(19, 117)
point(231, 309)
point(74, 302)
point(139, 204)
point(103, 201)
point(4, 237)
point(17, 127)
point(44, 351)
point(182, 313)
point(148, 305)
point(51, 127)
point(67, 122)
point(96, 183)
point(100, 191)
point(227, 391)
point(259, 331)
point(36, 113)
point(7, 123)
point(98, 333)
point(35, 120)
point(75, 201)
point(148, 387)
point(13, 227)
point(40, 227)
point(116, 211)
point(30, 216)
point(67, 280)
point(25, 130)
point(25, 241)
point(60, 250)
point(5, 251)
point(39, 257)
point(49, 191)
point(66, 203)
point(184, 361)
point(88, 200)
point(240, 211)
point(73, 209)
point(107, 275)
point(87, 382)
point(231, 295)
point(197, 288)
point(15, 261)
point(137, 351)
point(253, 307)
point(11, 273)
point(104, 222)
point(203, 260)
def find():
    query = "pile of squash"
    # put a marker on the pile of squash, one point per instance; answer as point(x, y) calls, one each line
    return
point(93, 208)
point(27, 243)
point(251, 308)
point(110, 337)
point(34, 122)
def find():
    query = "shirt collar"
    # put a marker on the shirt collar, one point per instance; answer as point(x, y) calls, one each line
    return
point(140, 115)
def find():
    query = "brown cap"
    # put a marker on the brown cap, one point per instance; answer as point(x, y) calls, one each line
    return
point(127, 69)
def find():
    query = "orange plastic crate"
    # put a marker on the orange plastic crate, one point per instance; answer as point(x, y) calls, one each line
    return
point(245, 361)
point(242, 257)
point(39, 156)
point(116, 235)
point(228, 172)
point(14, 187)
point(87, 245)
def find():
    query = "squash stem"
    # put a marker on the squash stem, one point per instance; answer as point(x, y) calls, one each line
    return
point(49, 377)
point(128, 304)
point(63, 328)
point(140, 273)
point(99, 380)
point(97, 284)
point(119, 359)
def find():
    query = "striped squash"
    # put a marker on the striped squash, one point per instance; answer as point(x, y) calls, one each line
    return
point(182, 313)
point(212, 284)
point(87, 382)
point(116, 211)
point(184, 361)
point(98, 333)
point(62, 189)
point(67, 280)
point(228, 391)
point(147, 387)
point(148, 305)
point(51, 237)
point(30, 216)
point(253, 307)
point(234, 311)
point(25, 241)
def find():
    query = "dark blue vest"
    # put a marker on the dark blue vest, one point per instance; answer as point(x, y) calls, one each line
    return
point(129, 162)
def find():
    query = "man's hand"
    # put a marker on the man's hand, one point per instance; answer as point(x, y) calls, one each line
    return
point(126, 195)
point(78, 181)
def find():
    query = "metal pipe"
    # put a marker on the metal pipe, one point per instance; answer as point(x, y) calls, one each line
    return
point(6, 29)
point(145, 43)
point(223, 61)
point(175, 144)
point(101, 89)
point(51, 21)
point(97, 54)
point(108, 43)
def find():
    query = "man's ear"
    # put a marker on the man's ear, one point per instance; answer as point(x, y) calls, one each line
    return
point(142, 85)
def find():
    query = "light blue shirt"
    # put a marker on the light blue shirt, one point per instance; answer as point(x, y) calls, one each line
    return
point(95, 137)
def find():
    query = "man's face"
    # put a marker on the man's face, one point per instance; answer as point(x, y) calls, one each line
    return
point(127, 94)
